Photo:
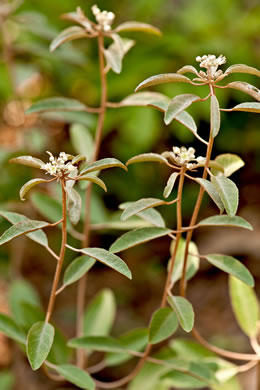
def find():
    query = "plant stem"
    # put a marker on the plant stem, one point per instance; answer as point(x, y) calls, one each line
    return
point(81, 356)
point(197, 207)
point(61, 255)
point(178, 237)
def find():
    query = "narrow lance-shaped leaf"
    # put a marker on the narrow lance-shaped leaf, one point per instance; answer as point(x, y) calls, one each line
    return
point(170, 184)
point(230, 162)
point(188, 69)
point(77, 269)
point(184, 311)
point(245, 87)
point(77, 159)
point(232, 266)
point(39, 343)
point(245, 306)
point(163, 78)
point(114, 54)
point(69, 34)
point(73, 205)
point(27, 186)
point(106, 258)
point(228, 193)
point(75, 375)
point(151, 215)
point(163, 324)
point(11, 329)
point(98, 343)
point(193, 260)
point(247, 107)
point(214, 116)
point(241, 68)
point(21, 228)
point(140, 205)
point(226, 220)
point(147, 157)
point(178, 104)
point(100, 314)
point(56, 104)
point(93, 179)
point(137, 26)
point(212, 192)
point(28, 161)
point(103, 164)
point(144, 99)
point(136, 237)
point(38, 236)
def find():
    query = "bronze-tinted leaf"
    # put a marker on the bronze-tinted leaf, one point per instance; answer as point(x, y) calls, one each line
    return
point(163, 78)
point(69, 34)
point(248, 107)
point(137, 26)
point(144, 99)
point(27, 186)
point(188, 69)
point(245, 87)
point(28, 160)
point(150, 157)
point(241, 68)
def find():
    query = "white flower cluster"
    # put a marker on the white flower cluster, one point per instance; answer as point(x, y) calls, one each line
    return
point(58, 166)
point(184, 156)
point(104, 18)
point(211, 63)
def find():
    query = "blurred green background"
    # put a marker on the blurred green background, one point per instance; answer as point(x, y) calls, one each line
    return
point(190, 28)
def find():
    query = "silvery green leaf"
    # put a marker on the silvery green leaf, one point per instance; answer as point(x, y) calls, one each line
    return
point(67, 35)
point(228, 193)
point(170, 184)
point(214, 116)
point(73, 205)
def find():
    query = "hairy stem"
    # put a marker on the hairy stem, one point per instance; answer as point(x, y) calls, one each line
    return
point(61, 255)
point(178, 237)
point(81, 356)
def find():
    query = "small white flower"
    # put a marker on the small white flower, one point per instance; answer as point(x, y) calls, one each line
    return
point(103, 18)
point(211, 63)
point(190, 166)
point(201, 159)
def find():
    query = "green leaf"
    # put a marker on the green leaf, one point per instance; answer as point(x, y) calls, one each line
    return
point(212, 192)
point(28, 161)
point(163, 324)
point(100, 314)
point(230, 162)
point(22, 292)
point(94, 179)
point(184, 311)
point(228, 193)
point(82, 140)
point(136, 237)
point(178, 104)
point(247, 107)
point(97, 343)
point(38, 236)
point(116, 51)
point(170, 184)
point(56, 104)
point(106, 258)
point(137, 26)
point(135, 340)
point(77, 269)
point(245, 306)
point(151, 215)
point(214, 116)
point(27, 186)
point(181, 380)
point(103, 164)
point(73, 205)
point(246, 88)
point(11, 329)
point(67, 35)
point(241, 68)
point(144, 99)
point(147, 157)
point(76, 376)
point(192, 261)
point(140, 205)
point(21, 228)
point(39, 343)
point(49, 207)
point(226, 220)
point(161, 79)
point(232, 266)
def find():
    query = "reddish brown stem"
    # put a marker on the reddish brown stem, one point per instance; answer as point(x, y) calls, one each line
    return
point(61, 255)
point(81, 356)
